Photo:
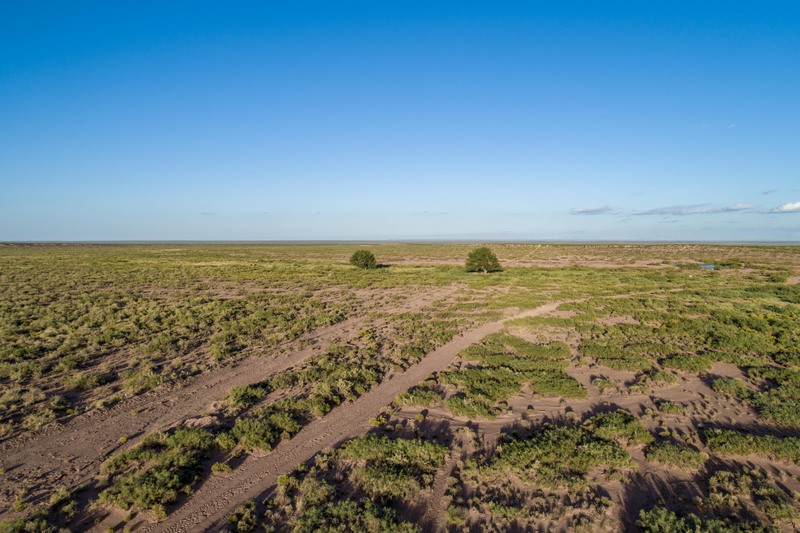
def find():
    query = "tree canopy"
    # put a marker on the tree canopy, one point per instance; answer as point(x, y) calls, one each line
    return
point(483, 260)
point(363, 259)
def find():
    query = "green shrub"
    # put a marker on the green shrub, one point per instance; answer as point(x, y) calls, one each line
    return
point(243, 397)
point(688, 363)
point(676, 455)
point(670, 408)
point(731, 387)
point(363, 259)
point(154, 473)
point(661, 520)
point(735, 442)
point(618, 425)
point(394, 468)
point(418, 397)
point(560, 457)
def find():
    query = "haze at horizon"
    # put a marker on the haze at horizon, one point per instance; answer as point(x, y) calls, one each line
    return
point(414, 120)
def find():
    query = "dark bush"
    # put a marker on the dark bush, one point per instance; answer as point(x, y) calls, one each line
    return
point(363, 259)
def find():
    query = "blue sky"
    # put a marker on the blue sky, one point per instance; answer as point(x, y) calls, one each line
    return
point(400, 120)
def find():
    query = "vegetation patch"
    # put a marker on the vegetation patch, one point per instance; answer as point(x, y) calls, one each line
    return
point(503, 364)
point(560, 456)
point(356, 487)
point(677, 455)
point(154, 473)
point(729, 441)
point(618, 426)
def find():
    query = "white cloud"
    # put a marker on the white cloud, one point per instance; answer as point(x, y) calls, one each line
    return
point(600, 210)
point(792, 207)
point(699, 209)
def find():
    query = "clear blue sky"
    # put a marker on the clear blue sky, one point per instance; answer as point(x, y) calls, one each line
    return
point(405, 119)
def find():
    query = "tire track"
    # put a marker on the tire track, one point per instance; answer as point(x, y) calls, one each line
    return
point(217, 498)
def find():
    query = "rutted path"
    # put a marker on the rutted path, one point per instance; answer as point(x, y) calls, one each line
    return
point(218, 496)
point(71, 454)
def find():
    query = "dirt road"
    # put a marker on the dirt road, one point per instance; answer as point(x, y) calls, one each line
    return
point(217, 497)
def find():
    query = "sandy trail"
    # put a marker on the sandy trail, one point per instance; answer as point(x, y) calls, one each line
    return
point(433, 520)
point(217, 498)
point(70, 454)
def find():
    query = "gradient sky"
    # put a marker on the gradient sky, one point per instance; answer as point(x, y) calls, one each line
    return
point(399, 120)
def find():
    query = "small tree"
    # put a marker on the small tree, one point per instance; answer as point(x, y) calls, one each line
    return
point(363, 259)
point(482, 260)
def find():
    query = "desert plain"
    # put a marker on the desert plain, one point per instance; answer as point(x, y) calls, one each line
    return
point(276, 387)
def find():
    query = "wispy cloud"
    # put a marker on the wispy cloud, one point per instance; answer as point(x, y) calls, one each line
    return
point(698, 209)
point(792, 207)
point(600, 210)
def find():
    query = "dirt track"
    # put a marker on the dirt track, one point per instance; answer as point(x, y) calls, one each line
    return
point(71, 454)
point(216, 499)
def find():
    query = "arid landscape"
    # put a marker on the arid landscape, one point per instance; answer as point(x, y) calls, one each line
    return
point(256, 387)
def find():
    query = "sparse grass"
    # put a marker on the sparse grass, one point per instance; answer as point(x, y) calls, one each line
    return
point(90, 325)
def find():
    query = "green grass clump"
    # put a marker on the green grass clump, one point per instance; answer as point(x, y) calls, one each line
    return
point(243, 397)
point(504, 364)
point(559, 456)
point(36, 522)
point(604, 384)
point(688, 363)
point(268, 427)
point(732, 387)
point(619, 426)
point(418, 396)
point(676, 455)
point(154, 473)
point(615, 357)
point(670, 408)
point(662, 520)
point(394, 468)
point(348, 515)
point(780, 405)
point(735, 442)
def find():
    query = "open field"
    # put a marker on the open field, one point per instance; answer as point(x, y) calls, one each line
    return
point(182, 387)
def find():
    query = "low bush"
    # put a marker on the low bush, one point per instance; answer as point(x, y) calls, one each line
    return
point(154, 473)
point(559, 456)
point(676, 455)
point(735, 442)
point(620, 426)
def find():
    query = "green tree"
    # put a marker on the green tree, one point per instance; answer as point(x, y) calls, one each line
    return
point(482, 260)
point(363, 259)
